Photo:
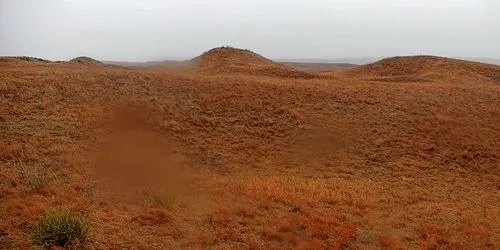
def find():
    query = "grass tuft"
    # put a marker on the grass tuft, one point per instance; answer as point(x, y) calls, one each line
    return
point(35, 179)
point(162, 199)
point(60, 228)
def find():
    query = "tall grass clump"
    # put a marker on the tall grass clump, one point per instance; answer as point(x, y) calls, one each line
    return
point(60, 228)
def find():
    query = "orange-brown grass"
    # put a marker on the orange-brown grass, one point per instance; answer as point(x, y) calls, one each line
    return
point(158, 159)
point(228, 60)
point(426, 69)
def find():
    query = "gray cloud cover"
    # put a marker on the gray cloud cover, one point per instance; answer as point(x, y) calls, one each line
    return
point(153, 29)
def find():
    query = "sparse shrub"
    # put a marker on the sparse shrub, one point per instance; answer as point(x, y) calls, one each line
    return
point(162, 199)
point(36, 179)
point(60, 228)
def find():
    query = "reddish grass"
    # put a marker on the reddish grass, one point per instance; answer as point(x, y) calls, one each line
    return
point(228, 60)
point(426, 68)
point(253, 161)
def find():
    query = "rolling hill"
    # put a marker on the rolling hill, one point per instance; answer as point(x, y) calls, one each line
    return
point(426, 68)
point(216, 159)
point(85, 60)
point(228, 60)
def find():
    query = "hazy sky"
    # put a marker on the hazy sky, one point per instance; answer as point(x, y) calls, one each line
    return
point(160, 29)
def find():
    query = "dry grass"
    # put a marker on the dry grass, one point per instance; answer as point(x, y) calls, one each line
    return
point(427, 68)
point(162, 159)
point(228, 60)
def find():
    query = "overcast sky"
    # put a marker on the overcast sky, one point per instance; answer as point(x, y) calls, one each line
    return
point(131, 30)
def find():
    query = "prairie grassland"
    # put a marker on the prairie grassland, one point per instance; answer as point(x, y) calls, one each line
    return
point(162, 159)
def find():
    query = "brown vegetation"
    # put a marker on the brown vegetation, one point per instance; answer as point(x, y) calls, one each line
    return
point(228, 60)
point(84, 60)
point(427, 68)
point(165, 159)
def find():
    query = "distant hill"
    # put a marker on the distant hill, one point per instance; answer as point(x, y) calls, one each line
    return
point(426, 68)
point(303, 64)
point(23, 59)
point(224, 60)
point(318, 67)
point(144, 64)
point(488, 60)
point(85, 60)
point(367, 60)
point(340, 60)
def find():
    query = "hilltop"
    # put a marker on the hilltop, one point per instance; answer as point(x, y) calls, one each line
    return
point(427, 68)
point(229, 60)
point(85, 60)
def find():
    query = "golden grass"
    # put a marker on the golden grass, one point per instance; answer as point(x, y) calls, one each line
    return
point(165, 159)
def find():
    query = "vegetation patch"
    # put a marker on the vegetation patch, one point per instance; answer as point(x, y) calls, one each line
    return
point(60, 228)
point(162, 199)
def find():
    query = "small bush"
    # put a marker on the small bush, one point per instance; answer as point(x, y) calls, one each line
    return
point(60, 228)
point(162, 199)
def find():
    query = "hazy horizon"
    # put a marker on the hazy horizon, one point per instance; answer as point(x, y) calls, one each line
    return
point(150, 30)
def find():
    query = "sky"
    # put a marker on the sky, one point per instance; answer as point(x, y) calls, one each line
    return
point(130, 30)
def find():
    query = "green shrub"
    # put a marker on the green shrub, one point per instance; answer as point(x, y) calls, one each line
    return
point(60, 228)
